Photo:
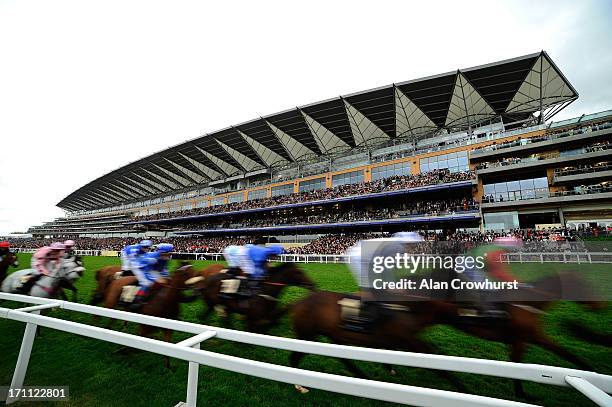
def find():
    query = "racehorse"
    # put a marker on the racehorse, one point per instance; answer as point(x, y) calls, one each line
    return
point(104, 277)
point(9, 260)
point(523, 324)
point(261, 310)
point(164, 302)
point(48, 286)
point(396, 328)
point(320, 314)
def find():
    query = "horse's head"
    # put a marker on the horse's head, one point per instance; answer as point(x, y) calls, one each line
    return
point(180, 276)
point(10, 259)
point(72, 269)
point(291, 274)
point(13, 260)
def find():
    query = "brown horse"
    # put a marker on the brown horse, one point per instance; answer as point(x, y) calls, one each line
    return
point(261, 310)
point(524, 324)
point(396, 328)
point(104, 277)
point(10, 259)
point(319, 314)
point(210, 270)
point(164, 302)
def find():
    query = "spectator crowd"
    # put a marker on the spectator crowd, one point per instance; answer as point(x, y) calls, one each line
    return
point(393, 183)
point(552, 239)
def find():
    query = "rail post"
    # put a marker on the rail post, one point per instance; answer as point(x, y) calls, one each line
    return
point(24, 358)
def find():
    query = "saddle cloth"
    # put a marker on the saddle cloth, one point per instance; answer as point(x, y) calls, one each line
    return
point(230, 286)
point(128, 293)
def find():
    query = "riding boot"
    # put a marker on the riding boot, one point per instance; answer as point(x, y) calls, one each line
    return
point(27, 286)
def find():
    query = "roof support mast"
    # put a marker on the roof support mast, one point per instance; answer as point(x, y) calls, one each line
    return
point(541, 96)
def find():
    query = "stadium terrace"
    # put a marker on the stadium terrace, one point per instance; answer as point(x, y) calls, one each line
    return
point(473, 149)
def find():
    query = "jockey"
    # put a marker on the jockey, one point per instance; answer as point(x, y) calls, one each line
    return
point(131, 254)
point(362, 316)
point(46, 260)
point(69, 253)
point(152, 271)
point(233, 256)
point(494, 265)
point(254, 259)
point(4, 249)
point(359, 265)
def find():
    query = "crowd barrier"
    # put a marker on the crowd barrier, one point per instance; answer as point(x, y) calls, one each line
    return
point(593, 385)
point(514, 257)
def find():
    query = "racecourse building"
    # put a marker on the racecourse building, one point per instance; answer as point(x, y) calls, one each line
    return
point(472, 148)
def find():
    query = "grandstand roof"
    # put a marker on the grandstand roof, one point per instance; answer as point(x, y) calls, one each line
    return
point(513, 89)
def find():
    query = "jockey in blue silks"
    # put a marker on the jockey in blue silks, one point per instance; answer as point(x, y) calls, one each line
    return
point(254, 259)
point(152, 270)
point(131, 254)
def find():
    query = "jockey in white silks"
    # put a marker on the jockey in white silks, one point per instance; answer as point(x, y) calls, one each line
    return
point(233, 255)
point(358, 265)
point(359, 317)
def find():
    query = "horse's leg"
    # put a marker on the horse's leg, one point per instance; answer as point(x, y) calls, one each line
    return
point(354, 369)
point(548, 343)
point(210, 307)
point(517, 350)
point(389, 369)
point(167, 338)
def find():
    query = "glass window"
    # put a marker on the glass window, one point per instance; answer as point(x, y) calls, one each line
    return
point(279, 190)
point(354, 177)
point(236, 198)
point(540, 182)
point(390, 170)
point(501, 221)
point(312, 185)
point(521, 189)
point(257, 194)
point(526, 184)
point(217, 201)
point(454, 162)
point(514, 186)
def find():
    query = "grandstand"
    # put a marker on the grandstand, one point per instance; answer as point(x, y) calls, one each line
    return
point(472, 149)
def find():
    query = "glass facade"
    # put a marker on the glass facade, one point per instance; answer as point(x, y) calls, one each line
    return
point(286, 189)
point(516, 190)
point(386, 171)
point(236, 198)
point(353, 177)
point(217, 201)
point(454, 162)
point(501, 221)
point(257, 194)
point(312, 185)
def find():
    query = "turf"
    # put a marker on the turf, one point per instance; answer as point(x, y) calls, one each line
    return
point(98, 375)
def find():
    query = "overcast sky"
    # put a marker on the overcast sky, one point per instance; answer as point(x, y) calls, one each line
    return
point(88, 86)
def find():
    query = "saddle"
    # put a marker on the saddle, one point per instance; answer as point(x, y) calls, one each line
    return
point(236, 288)
point(357, 315)
point(362, 316)
point(483, 314)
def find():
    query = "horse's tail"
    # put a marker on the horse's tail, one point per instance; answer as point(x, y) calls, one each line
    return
point(585, 333)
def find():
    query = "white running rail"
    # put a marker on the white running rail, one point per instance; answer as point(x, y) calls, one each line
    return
point(593, 385)
point(515, 257)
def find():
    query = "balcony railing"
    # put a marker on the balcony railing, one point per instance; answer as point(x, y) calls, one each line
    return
point(548, 137)
point(518, 196)
point(562, 172)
